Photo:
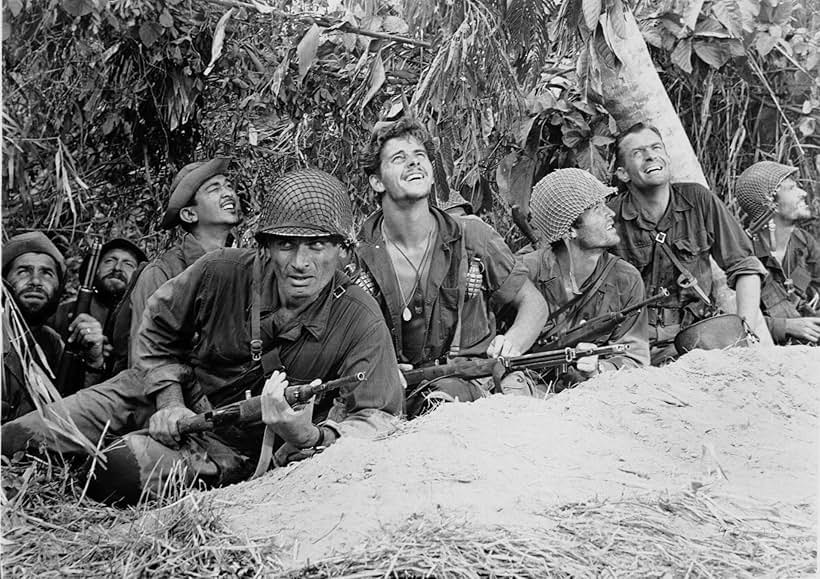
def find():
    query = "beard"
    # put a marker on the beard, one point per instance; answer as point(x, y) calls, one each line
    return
point(111, 288)
point(38, 312)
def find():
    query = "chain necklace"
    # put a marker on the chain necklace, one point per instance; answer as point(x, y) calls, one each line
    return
point(406, 314)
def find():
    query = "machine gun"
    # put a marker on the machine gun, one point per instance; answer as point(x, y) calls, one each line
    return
point(71, 358)
point(469, 368)
point(250, 411)
point(598, 326)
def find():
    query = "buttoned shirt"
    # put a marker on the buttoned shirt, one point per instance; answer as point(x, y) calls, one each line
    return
point(196, 332)
point(697, 225)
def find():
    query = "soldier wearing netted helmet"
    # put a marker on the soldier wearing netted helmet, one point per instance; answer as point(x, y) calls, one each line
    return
point(774, 204)
point(579, 279)
point(438, 278)
point(287, 304)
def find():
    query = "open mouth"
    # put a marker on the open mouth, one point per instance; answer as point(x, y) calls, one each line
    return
point(414, 177)
point(229, 205)
point(653, 169)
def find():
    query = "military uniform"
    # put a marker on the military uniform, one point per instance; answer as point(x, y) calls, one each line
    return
point(695, 226)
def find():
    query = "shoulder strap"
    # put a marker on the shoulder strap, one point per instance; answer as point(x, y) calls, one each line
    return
point(455, 345)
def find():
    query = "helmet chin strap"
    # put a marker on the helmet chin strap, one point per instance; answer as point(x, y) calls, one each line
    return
point(572, 283)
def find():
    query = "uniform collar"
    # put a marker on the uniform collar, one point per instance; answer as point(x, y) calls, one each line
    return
point(313, 319)
point(632, 205)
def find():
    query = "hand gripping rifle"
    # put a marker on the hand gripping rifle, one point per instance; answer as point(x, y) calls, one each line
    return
point(250, 411)
point(71, 358)
point(596, 327)
point(469, 368)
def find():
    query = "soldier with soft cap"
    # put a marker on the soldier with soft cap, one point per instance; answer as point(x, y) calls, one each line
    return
point(790, 294)
point(578, 277)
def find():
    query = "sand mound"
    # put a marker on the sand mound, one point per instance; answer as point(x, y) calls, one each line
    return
point(740, 424)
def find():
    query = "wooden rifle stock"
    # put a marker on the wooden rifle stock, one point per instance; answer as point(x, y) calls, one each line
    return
point(761, 222)
point(250, 411)
point(71, 358)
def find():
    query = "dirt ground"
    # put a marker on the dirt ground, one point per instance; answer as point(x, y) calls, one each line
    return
point(740, 423)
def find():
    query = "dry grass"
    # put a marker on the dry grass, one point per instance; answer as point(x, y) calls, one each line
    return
point(687, 536)
point(50, 530)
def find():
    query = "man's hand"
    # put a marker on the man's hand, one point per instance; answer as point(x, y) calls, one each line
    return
point(86, 331)
point(803, 328)
point(501, 346)
point(402, 369)
point(162, 426)
point(295, 426)
point(586, 365)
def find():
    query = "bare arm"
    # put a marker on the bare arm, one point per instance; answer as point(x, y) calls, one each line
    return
point(530, 318)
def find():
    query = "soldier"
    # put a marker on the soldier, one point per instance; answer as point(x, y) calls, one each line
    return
point(790, 296)
point(577, 276)
point(33, 271)
point(208, 326)
point(119, 259)
point(668, 231)
point(438, 278)
point(205, 206)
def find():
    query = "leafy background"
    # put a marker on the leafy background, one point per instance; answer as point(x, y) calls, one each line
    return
point(103, 100)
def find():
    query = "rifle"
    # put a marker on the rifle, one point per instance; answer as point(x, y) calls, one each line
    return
point(522, 221)
point(71, 357)
point(598, 326)
point(497, 367)
point(761, 222)
point(250, 411)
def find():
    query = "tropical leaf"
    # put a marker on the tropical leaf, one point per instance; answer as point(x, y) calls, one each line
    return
point(307, 49)
point(715, 53)
point(592, 13)
point(150, 32)
point(77, 7)
point(682, 55)
point(729, 14)
point(218, 41)
point(375, 79)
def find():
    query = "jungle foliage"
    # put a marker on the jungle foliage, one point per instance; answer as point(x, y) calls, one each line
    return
point(105, 99)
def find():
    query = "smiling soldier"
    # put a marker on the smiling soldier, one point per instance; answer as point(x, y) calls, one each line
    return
point(790, 297)
point(576, 274)
point(668, 231)
point(438, 278)
point(205, 206)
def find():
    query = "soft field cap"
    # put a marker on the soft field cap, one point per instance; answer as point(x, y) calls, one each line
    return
point(186, 183)
point(32, 242)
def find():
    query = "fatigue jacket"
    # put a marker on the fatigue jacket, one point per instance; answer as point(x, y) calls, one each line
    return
point(781, 299)
point(196, 332)
point(128, 314)
point(697, 225)
point(15, 398)
point(502, 278)
point(621, 287)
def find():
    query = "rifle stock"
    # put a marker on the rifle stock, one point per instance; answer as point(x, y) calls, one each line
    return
point(250, 411)
point(601, 325)
point(71, 358)
point(761, 222)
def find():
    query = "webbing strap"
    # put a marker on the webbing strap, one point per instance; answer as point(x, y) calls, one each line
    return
point(463, 266)
point(256, 298)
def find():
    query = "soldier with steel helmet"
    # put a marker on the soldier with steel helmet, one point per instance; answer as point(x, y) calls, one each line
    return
point(210, 324)
point(790, 296)
point(578, 277)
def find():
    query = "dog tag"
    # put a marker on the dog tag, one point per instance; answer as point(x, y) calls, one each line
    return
point(406, 315)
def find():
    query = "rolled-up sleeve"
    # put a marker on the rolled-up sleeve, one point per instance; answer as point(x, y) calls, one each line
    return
point(633, 332)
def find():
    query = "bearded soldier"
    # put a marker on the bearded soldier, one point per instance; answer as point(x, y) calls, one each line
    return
point(211, 324)
point(577, 276)
point(790, 296)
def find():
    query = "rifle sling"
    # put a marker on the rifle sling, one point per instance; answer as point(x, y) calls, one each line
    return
point(582, 299)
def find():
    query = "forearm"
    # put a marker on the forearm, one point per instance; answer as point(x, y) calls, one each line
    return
point(529, 319)
point(169, 397)
point(748, 297)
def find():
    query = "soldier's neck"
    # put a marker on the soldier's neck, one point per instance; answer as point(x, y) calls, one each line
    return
point(654, 200)
point(408, 225)
point(583, 262)
point(782, 233)
point(212, 238)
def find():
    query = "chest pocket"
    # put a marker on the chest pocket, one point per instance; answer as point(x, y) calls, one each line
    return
point(689, 250)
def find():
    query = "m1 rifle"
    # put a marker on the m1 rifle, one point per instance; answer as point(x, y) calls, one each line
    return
point(762, 221)
point(469, 368)
point(596, 327)
point(246, 412)
point(72, 358)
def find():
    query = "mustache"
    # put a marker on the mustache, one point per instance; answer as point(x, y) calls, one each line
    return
point(116, 275)
point(34, 289)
